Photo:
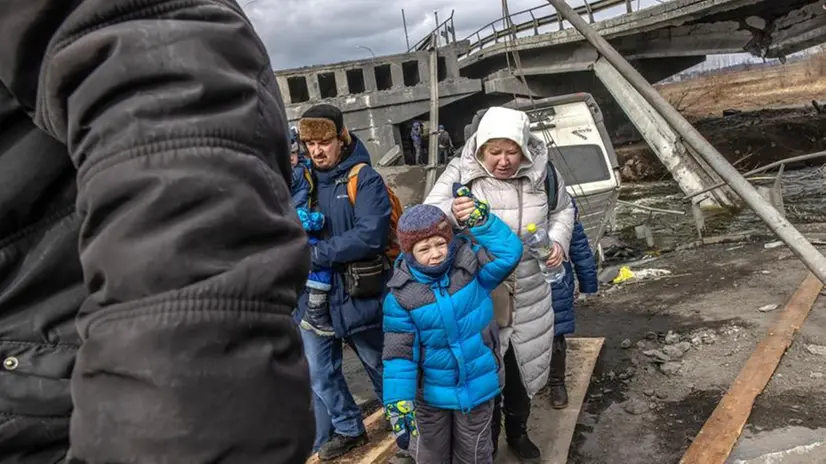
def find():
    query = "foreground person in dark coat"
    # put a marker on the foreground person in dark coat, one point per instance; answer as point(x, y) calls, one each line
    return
point(148, 248)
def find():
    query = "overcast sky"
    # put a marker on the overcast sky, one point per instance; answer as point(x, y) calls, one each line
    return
point(309, 32)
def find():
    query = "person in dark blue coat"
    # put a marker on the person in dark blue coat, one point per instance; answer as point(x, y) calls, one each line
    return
point(300, 186)
point(581, 261)
point(354, 238)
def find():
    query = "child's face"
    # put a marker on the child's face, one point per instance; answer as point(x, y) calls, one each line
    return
point(430, 251)
point(294, 158)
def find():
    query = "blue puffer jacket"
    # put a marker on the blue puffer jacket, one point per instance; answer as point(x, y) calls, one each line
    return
point(445, 327)
point(351, 233)
point(586, 272)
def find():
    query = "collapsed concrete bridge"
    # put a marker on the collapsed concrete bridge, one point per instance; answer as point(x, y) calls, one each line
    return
point(382, 96)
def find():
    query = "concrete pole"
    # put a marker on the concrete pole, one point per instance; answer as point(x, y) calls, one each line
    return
point(807, 253)
point(665, 143)
point(433, 140)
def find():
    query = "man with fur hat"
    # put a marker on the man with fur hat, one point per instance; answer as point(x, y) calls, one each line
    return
point(352, 243)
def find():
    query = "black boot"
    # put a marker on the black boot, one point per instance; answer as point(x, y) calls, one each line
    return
point(559, 394)
point(340, 445)
point(317, 315)
point(516, 431)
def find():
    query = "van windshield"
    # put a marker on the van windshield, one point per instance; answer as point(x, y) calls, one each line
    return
point(580, 164)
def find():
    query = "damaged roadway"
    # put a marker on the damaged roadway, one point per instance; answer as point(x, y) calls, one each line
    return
point(687, 336)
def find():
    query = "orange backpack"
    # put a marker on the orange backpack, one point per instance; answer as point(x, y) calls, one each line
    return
point(396, 210)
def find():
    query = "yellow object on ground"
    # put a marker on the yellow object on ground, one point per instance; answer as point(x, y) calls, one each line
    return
point(625, 273)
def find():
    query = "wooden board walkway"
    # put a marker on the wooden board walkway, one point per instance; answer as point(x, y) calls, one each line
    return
point(553, 429)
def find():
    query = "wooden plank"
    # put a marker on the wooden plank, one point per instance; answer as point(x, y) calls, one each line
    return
point(722, 430)
point(553, 429)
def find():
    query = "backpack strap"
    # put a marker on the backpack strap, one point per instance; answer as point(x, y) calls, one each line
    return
point(353, 182)
point(551, 185)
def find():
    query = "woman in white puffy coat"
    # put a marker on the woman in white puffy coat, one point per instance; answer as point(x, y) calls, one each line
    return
point(506, 165)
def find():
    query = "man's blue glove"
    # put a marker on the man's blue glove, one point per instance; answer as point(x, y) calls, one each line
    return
point(402, 417)
point(311, 221)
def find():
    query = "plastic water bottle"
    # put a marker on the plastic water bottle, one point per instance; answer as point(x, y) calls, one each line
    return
point(540, 247)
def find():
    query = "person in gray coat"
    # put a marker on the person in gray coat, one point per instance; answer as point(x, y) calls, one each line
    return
point(149, 255)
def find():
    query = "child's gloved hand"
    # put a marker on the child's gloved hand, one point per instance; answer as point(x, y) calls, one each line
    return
point(481, 207)
point(402, 417)
point(311, 221)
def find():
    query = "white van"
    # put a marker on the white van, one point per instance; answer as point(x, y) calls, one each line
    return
point(581, 150)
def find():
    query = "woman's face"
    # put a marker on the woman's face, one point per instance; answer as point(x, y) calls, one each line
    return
point(501, 157)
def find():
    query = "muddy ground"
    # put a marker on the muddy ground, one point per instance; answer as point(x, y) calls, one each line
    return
point(635, 413)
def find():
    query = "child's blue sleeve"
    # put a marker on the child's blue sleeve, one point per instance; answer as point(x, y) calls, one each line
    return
point(401, 353)
point(502, 250)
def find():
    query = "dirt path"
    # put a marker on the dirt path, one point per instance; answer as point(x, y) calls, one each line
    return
point(635, 413)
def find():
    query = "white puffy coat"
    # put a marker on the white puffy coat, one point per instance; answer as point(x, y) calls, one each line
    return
point(518, 201)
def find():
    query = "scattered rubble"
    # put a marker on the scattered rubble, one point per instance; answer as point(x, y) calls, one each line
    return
point(670, 368)
point(672, 338)
point(768, 308)
point(677, 351)
point(625, 344)
point(818, 350)
point(636, 407)
point(658, 355)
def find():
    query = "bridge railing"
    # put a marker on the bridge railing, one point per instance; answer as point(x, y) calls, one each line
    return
point(534, 21)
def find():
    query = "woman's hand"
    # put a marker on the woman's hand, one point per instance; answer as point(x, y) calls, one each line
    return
point(462, 208)
point(556, 257)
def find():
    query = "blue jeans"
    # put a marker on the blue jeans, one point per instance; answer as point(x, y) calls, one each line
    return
point(334, 406)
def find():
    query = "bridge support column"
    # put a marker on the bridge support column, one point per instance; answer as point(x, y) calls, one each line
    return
point(662, 139)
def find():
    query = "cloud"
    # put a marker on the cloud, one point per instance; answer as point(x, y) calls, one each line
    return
point(310, 32)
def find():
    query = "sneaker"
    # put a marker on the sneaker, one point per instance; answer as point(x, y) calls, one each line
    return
point(559, 396)
point(340, 445)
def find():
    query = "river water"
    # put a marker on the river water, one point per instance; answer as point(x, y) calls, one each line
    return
point(804, 197)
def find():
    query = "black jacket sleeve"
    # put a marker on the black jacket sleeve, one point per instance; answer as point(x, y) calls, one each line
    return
point(191, 253)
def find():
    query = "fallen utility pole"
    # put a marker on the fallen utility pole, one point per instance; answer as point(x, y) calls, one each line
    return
point(433, 141)
point(720, 433)
point(807, 253)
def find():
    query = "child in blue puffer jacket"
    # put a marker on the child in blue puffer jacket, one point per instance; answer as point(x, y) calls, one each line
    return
point(438, 320)
point(319, 282)
point(582, 262)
